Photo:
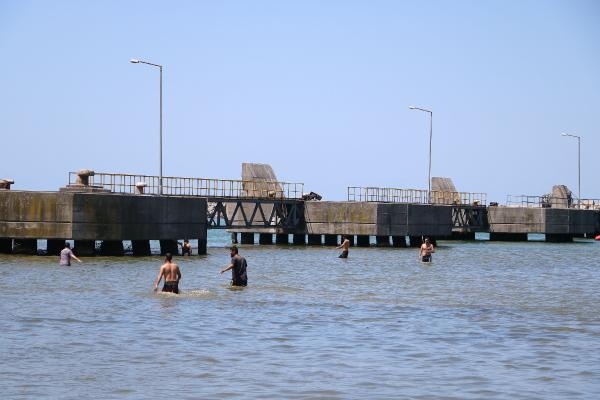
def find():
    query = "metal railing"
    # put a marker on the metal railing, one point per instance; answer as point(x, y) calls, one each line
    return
point(549, 201)
point(201, 187)
point(414, 196)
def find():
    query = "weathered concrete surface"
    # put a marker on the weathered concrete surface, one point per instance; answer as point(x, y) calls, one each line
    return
point(541, 220)
point(377, 219)
point(100, 216)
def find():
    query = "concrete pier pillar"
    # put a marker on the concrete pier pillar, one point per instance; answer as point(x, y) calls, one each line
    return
point(169, 246)
point(559, 237)
point(331, 240)
point(363, 241)
point(382, 241)
point(399, 241)
point(282, 238)
point(202, 244)
point(247, 237)
point(315, 240)
point(6, 246)
point(299, 239)
point(141, 248)
point(112, 248)
point(265, 238)
point(54, 246)
point(84, 248)
point(25, 246)
point(234, 238)
point(508, 237)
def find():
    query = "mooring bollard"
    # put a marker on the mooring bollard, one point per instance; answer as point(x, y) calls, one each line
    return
point(139, 187)
point(5, 183)
point(83, 177)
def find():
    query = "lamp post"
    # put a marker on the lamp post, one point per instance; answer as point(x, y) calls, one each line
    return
point(135, 61)
point(430, 135)
point(578, 165)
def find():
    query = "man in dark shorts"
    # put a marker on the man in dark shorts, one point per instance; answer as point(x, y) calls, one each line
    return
point(426, 250)
point(171, 273)
point(238, 267)
point(345, 246)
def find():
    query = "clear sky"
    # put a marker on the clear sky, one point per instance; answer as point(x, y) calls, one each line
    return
point(319, 90)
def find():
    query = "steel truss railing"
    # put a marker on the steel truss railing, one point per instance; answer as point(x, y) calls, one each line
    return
point(264, 213)
point(414, 196)
point(202, 187)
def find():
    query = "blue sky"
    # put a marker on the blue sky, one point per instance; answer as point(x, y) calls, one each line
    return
point(319, 90)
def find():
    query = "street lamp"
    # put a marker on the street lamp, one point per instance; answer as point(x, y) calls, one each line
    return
point(135, 61)
point(578, 164)
point(430, 135)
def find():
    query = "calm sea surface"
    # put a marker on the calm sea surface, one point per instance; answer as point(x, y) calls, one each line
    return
point(486, 320)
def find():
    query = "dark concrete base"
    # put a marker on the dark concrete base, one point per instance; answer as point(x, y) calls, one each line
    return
point(315, 240)
point(399, 241)
point(283, 238)
point(84, 248)
point(247, 238)
point(6, 246)
point(382, 241)
point(202, 245)
point(415, 241)
point(54, 246)
point(331, 240)
point(141, 248)
point(234, 239)
point(25, 246)
point(299, 239)
point(169, 246)
point(462, 236)
point(265, 238)
point(363, 241)
point(559, 238)
point(112, 248)
point(508, 237)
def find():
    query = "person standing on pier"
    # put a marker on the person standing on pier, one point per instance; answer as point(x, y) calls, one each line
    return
point(172, 275)
point(426, 250)
point(238, 266)
point(66, 255)
point(345, 246)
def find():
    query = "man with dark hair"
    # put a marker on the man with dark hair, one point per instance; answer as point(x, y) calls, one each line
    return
point(345, 246)
point(238, 267)
point(66, 254)
point(426, 250)
point(171, 273)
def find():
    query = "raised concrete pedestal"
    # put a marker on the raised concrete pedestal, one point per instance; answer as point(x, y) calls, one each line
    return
point(6, 246)
point(399, 241)
point(141, 248)
point(247, 237)
point(559, 237)
point(315, 240)
point(169, 246)
point(25, 246)
point(54, 246)
point(299, 239)
point(282, 238)
point(363, 241)
point(382, 241)
point(508, 237)
point(265, 238)
point(84, 248)
point(112, 248)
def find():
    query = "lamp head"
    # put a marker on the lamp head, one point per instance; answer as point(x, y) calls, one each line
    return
point(134, 61)
point(412, 107)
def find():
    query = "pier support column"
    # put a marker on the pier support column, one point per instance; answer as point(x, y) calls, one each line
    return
point(6, 246)
point(331, 240)
point(141, 248)
point(54, 246)
point(169, 246)
point(508, 237)
point(363, 241)
point(234, 238)
point(25, 246)
point(559, 237)
point(315, 240)
point(299, 239)
point(265, 238)
point(85, 248)
point(382, 241)
point(202, 244)
point(247, 237)
point(112, 248)
point(399, 241)
point(282, 238)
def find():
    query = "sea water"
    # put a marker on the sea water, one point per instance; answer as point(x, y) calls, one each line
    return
point(485, 320)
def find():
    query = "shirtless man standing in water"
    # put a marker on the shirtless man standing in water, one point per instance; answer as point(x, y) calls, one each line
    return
point(170, 271)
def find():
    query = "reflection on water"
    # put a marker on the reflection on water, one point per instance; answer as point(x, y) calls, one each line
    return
point(484, 320)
